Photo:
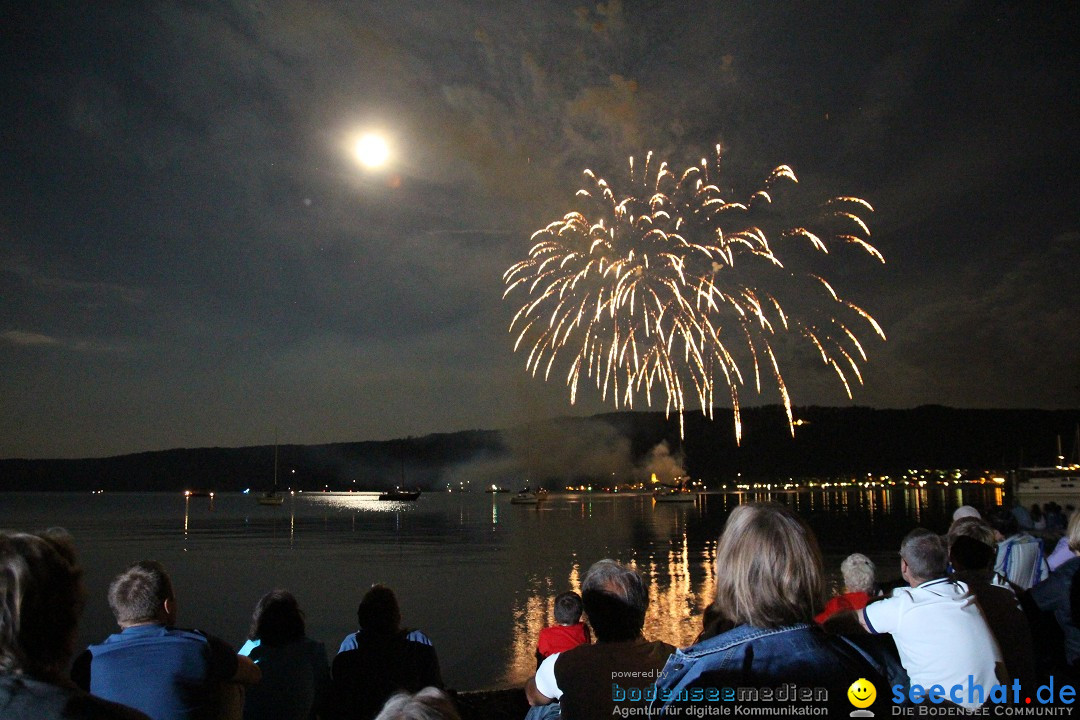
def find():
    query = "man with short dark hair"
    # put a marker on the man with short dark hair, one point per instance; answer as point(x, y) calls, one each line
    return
point(380, 659)
point(168, 673)
point(582, 679)
point(940, 633)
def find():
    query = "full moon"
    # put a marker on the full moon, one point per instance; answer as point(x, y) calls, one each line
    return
point(372, 150)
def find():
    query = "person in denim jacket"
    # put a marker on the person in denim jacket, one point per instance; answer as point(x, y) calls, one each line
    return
point(769, 650)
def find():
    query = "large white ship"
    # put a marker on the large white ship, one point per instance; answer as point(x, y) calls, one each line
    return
point(1058, 483)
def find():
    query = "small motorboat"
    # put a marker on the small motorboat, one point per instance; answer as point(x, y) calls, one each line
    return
point(677, 494)
point(529, 497)
point(271, 498)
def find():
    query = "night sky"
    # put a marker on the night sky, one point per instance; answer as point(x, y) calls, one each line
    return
point(190, 254)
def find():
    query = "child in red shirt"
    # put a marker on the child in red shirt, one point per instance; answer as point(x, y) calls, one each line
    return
point(569, 632)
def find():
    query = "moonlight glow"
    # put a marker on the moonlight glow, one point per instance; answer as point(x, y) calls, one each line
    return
point(372, 150)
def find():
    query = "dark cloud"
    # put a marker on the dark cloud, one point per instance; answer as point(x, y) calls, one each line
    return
point(1004, 312)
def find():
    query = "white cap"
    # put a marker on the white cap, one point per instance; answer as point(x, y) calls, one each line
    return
point(965, 511)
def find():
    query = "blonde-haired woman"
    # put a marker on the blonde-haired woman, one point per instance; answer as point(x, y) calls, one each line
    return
point(769, 586)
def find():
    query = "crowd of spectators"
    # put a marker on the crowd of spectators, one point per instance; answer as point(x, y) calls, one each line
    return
point(980, 606)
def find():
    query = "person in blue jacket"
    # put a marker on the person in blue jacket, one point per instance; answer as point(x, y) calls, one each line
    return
point(167, 672)
point(765, 648)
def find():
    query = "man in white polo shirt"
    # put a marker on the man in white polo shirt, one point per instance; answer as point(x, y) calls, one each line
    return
point(941, 634)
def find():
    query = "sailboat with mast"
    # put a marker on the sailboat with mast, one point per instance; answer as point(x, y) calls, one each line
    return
point(400, 493)
point(273, 497)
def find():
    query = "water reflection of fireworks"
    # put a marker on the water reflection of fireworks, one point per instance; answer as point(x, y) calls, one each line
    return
point(676, 602)
point(672, 287)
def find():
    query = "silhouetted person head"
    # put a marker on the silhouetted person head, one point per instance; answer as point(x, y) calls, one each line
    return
point(429, 704)
point(967, 553)
point(1005, 523)
point(615, 598)
point(768, 568)
point(277, 619)
point(972, 544)
point(379, 612)
point(142, 595)
point(923, 557)
point(41, 598)
point(568, 608)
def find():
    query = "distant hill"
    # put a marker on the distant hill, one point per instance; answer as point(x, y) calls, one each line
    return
point(609, 447)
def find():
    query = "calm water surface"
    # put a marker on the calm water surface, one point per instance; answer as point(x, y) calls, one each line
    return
point(474, 572)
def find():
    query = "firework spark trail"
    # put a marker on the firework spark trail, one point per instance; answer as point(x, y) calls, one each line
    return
point(652, 292)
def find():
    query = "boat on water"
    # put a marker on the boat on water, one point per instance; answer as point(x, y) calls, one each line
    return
point(1040, 485)
point(1059, 483)
point(272, 497)
point(400, 495)
point(673, 495)
point(529, 497)
point(676, 492)
point(199, 492)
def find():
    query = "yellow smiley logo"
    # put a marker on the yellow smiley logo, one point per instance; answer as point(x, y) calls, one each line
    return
point(862, 693)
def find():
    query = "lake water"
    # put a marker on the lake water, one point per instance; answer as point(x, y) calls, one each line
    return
point(474, 572)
